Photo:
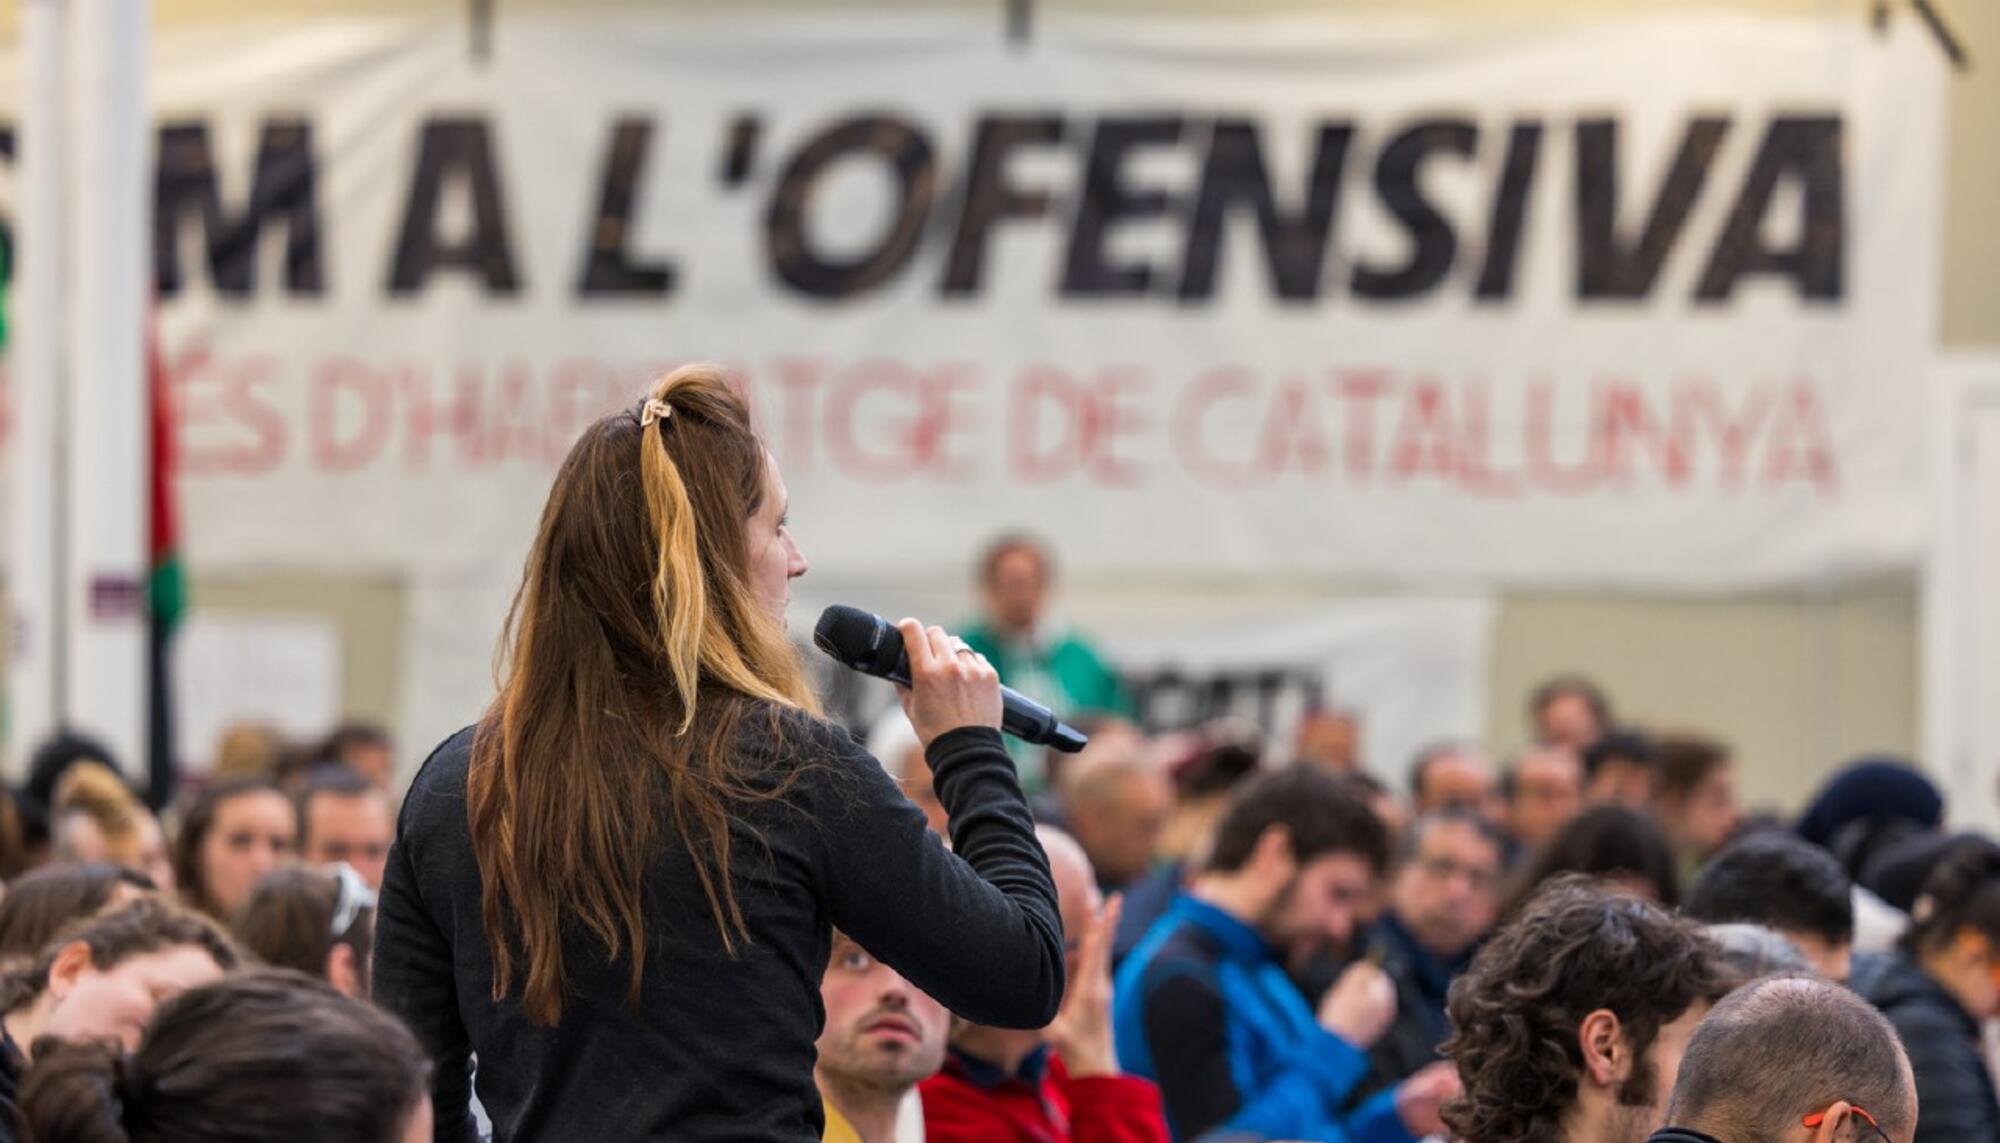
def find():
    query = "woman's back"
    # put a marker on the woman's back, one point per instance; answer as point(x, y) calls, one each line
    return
point(720, 1047)
point(617, 893)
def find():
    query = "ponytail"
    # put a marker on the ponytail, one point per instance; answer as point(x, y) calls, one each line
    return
point(742, 649)
point(1962, 892)
point(78, 1092)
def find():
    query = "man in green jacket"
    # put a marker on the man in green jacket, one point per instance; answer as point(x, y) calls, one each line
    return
point(1055, 666)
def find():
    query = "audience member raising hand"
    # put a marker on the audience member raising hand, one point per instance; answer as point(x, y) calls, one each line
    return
point(1058, 1083)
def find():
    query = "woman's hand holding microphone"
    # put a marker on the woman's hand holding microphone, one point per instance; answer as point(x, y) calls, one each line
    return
point(951, 685)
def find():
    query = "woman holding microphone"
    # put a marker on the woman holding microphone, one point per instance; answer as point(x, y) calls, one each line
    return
point(616, 889)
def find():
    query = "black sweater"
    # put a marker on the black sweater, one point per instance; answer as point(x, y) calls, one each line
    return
point(721, 1048)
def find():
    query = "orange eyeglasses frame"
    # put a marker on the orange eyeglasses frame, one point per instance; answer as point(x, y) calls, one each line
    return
point(1819, 1117)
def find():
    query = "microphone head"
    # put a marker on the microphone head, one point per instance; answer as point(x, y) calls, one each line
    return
point(859, 639)
point(1068, 739)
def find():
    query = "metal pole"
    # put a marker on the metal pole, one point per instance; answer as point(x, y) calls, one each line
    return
point(109, 443)
point(34, 580)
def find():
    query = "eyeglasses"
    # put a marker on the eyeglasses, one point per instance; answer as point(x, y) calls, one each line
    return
point(1874, 1128)
point(353, 896)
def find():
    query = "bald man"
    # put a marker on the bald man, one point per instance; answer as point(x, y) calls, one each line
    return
point(1062, 1082)
point(1117, 807)
point(1793, 1060)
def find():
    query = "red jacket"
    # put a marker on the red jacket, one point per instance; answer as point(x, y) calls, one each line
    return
point(972, 1102)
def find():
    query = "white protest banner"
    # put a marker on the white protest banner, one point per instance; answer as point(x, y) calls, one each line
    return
point(1640, 302)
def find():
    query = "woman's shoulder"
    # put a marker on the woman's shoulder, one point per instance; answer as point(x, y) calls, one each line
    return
point(442, 775)
point(812, 754)
point(791, 732)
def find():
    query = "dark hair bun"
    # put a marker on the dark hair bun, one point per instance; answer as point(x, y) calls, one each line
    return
point(1958, 877)
point(75, 1093)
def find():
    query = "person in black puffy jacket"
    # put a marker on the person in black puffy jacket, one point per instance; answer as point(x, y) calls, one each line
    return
point(1939, 986)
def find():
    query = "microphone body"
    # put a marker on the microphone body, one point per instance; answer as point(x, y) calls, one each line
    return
point(865, 642)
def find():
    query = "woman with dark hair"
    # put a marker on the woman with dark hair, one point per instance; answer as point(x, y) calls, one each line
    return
point(1939, 987)
point(618, 888)
point(1621, 847)
point(317, 921)
point(233, 834)
point(101, 981)
point(45, 902)
point(262, 1057)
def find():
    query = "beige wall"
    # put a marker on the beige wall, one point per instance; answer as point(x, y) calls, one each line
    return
point(368, 613)
point(1795, 680)
point(1796, 683)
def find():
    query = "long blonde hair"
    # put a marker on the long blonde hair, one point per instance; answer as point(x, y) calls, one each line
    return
point(635, 646)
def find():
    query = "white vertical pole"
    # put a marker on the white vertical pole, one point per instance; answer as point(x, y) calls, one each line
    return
point(108, 440)
point(36, 317)
point(1950, 614)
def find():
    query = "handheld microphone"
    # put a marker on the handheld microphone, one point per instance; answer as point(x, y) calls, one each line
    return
point(866, 642)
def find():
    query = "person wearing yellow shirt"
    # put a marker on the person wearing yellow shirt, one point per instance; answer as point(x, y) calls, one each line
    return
point(882, 1037)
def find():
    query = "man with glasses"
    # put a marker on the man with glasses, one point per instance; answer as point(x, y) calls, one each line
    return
point(1793, 1060)
point(1443, 899)
point(1204, 1006)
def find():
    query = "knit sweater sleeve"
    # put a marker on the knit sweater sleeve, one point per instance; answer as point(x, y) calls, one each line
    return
point(975, 928)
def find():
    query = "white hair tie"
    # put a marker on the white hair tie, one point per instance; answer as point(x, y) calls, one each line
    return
point(655, 410)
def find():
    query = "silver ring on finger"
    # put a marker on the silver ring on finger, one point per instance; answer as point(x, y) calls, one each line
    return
point(961, 646)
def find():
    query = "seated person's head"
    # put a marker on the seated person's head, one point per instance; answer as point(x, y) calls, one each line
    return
point(1613, 844)
point(98, 818)
point(1621, 768)
point(364, 748)
point(318, 921)
point(1541, 792)
point(1569, 1025)
point(1570, 711)
point(1452, 775)
point(1790, 886)
point(1781, 1053)
point(1697, 795)
point(343, 817)
point(233, 834)
point(261, 1057)
point(882, 1036)
point(1298, 857)
point(102, 979)
point(1752, 951)
point(1117, 801)
point(1954, 935)
point(1446, 888)
point(45, 902)
point(1330, 740)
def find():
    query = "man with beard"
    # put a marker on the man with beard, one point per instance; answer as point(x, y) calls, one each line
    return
point(1570, 1025)
point(882, 1037)
point(1205, 1006)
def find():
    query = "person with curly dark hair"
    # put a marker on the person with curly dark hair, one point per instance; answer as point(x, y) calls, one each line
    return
point(1570, 1024)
